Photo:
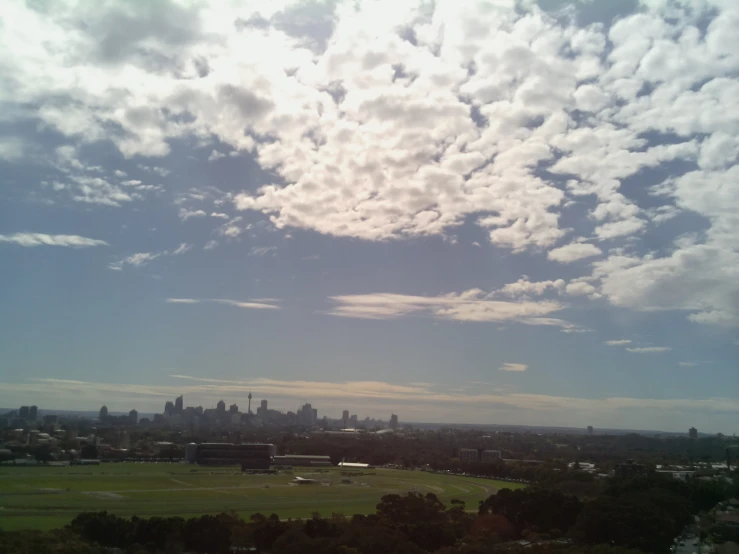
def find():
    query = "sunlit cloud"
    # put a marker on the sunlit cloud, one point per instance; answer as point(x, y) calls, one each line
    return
point(41, 239)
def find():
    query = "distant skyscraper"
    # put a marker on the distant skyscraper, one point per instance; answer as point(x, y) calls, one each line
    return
point(179, 404)
point(248, 409)
point(221, 406)
point(133, 417)
point(233, 408)
point(693, 433)
point(263, 405)
point(33, 413)
point(393, 421)
point(345, 418)
point(103, 413)
point(590, 429)
point(353, 421)
point(169, 408)
point(23, 413)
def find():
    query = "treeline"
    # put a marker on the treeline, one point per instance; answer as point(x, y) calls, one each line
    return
point(641, 515)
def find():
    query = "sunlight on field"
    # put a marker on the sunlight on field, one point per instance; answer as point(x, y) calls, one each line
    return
point(49, 497)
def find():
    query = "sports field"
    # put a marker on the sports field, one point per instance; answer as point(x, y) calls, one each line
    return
point(49, 497)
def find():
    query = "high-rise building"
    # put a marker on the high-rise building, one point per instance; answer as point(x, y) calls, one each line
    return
point(33, 413)
point(306, 415)
point(693, 433)
point(315, 415)
point(345, 418)
point(221, 406)
point(179, 403)
point(23, 413)
point(233, 408)
point(248, 409)
point(133, 417)
point(103, 413)
point(169, 408)
point(353, 421)
point(393, 421)
point(590, 429)
point(263, 406)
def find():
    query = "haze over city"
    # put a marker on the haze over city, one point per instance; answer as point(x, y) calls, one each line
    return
point(459, 212)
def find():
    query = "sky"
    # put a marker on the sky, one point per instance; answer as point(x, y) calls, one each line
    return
point(480, 212)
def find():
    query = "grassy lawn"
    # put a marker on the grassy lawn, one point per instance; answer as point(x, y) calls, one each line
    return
point(49, 497)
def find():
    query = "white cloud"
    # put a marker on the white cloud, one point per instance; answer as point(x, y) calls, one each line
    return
point(254, 304)
point(524, 287)
point(186, 214)
point(513, 367)
point(215, 156)
point(574, 252)
point(618, 342)
point(261, 250)
point(248, 305)
point(687, 364)
point(580, 288)
point(139, 259)
point(210, 245)
point(369, 134)
point(181, 249)
point(41, 239)
point(649, 349)
point(219, 215)
point(471, 305)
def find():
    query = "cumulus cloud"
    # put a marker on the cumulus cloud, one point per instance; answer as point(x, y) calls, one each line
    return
point(408, 120)
point(186, 214)
point(508, 366)
point(574, 252)
point(41, 239)
point(215, 156)
point(524, 287)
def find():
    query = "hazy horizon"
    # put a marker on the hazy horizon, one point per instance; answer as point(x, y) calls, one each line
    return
point(460, 212)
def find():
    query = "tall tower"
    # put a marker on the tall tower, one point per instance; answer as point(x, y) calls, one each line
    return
point(249, 397)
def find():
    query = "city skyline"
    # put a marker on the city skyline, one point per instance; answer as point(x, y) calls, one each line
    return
point(460, 212)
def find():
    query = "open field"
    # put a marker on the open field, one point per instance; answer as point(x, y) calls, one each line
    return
point(49, 497)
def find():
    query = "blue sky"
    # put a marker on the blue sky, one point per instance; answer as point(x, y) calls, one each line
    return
point(483, 212)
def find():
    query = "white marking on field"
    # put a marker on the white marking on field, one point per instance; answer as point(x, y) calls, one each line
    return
point(433, 488)
point(105, 495)
point(180, 482)
point(460, 488)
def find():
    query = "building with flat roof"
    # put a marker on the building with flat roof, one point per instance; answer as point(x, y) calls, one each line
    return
point(693, 433)
point(490, 455)
point(302, 460)
point(249, 456)
point(469, 455)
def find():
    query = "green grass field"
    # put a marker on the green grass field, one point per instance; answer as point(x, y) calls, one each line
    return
point(49, 497)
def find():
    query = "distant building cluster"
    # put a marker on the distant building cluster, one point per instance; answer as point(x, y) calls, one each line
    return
point(477, 455)
point(175, 414)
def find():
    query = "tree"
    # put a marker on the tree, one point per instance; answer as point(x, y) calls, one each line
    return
point(628, 523)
